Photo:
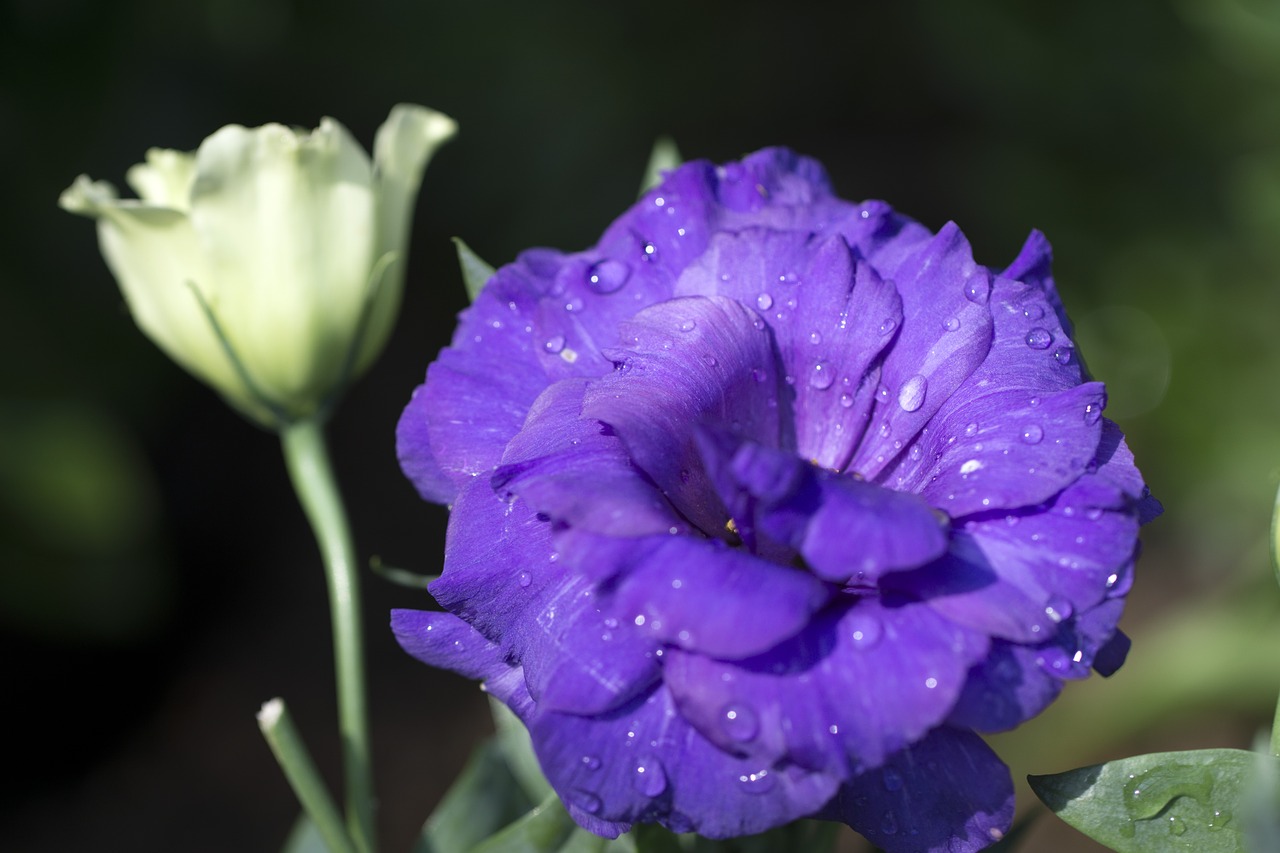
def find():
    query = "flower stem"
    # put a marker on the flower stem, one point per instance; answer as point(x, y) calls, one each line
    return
point(1275, 567)
point(307, 458)
point(291, 753)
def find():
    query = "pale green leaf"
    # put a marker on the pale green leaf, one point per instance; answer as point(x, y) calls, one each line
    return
point(1155, 803)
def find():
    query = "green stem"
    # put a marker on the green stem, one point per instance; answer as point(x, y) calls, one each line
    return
point(291, 753)
point(1275, 567)
point(307, 458)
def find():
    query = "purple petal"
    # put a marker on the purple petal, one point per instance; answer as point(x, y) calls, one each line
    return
point(1005, 690)
point(856, 685)
point(688, 361)
point(413, 450)
point(700, 595)
point(445, 641)
point(948, 793)
point(644, 763)
point(946, 333)
point(576, 472)
point(830, 326)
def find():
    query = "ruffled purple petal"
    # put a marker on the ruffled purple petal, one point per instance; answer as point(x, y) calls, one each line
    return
point(947, 793)
point(645, 763)
point(861, 682)
point(946, 333)
point(676, 586)
point(688, 361)
point(576, 472)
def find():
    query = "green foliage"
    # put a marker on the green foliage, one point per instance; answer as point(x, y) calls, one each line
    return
point(1154, 803)
point(664, 157)
point(484, 798)
point(475, 272)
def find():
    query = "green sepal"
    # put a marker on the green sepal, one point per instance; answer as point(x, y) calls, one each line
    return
point(547, 829)
point(484, 798)
point(1155, 803)
point(664, 157)
point(475, 272)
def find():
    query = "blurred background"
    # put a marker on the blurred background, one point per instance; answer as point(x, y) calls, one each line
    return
point(157, 580)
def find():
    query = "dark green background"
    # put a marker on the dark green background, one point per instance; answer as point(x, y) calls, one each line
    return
point(157, 581)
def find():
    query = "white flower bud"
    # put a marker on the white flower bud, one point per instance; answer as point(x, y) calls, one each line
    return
point(270, 262)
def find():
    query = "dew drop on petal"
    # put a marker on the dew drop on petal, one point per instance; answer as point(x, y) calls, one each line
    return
point(688, 325)
point(892, 779)
point(822, 376)
point(649, 779)
point(889, 824)
point(608, 276)
point(846, 400)
point(815, 337)
point(1032, 433)
point(978, 289)
point(554, 344)
point(970, 430)
point(591, 762)
point(911, 394)
point(1063, 355)
point(888, 326)
point(759, 782)
point(586, 801)
point(1039, 338)
point(650, 251)
point(764, 302)
point(1058, 608)
point(1092, 413)
point(739, 722)
point(1033, 312)
point(951, 324)
point(525, 579)
point(864, 630)
point(882, 393)
point(914, 453)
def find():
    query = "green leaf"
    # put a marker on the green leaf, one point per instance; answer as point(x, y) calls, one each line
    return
point(400, 577)
point(304, 838)
point(1154, 803)
point(484, 798)
point(664, 157)
point(546, 829)
point(475, 272)
point(517, 748)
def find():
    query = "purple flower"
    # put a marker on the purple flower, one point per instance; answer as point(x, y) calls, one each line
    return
point(762, 506)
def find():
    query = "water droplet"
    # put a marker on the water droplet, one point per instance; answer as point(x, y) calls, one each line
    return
point(915, 453)
point(688, 325)
point(889, 824)
point(951, 324)
point(1058, 608)
point(911, 394)
point(978, 289)
point(739, 723)
point(1033, 312)
point(1176, 825)
point(1032, 433)
point(591, 762)
point(821, 376)
point(1039, 338)
point(649, 778)
point(970, 430)
point(764, 302)
point(815, 338)
point(608, 276)
point(1147, 795)
point(586, 801)
point(760, 782)
point(554, 344)
point(650, 251)
point(864, 629)
point(846, 400)
point(888, 326)
point(892, 779)
point(525, 579)
point(882, 393)
point(884, 429)
point(1063, 355)
point(1092, 413)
